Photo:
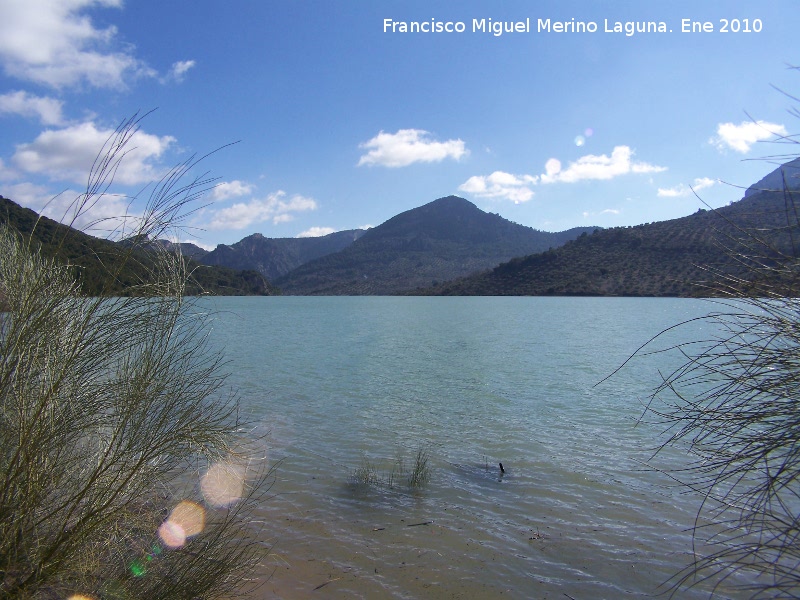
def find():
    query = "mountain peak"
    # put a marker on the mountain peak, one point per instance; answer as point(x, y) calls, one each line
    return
point(451, 201)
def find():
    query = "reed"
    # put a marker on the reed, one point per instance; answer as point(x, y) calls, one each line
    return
point(413, 475)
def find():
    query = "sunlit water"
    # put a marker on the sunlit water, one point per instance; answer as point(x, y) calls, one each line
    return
point(476, 382)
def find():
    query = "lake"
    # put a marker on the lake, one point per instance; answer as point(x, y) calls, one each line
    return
point(342, 383)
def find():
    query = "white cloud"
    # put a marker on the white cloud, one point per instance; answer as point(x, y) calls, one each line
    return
point(742, 136)
point(176, 239)
point(106, 213)
point(178, 71)
point(607, 211)
point(53, 42)
point(594, 167)
point(68, 154)
point(275, 207)
point(29, 195)
point(231, 189)
point(700, 183)
point(316, 232)
point(408, 146)
point(47, 110)
point(501, 185)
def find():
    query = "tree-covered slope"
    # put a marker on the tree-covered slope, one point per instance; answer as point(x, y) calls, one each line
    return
point(447, 238)
point(95, 259)
point(680, 257)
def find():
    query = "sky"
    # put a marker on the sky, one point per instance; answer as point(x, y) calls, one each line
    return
point(326, 115)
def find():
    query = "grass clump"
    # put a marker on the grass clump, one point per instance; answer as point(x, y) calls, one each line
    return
point(413, 474)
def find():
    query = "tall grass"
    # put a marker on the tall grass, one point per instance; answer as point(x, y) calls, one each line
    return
point(123, 473)
point(400, 472)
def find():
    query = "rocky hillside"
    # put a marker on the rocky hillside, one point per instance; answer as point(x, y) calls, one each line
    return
point(274, 257)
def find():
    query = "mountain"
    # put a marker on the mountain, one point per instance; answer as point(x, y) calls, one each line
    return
point(94, 259)
point(274, 257)
point(785, 175)
point(447, 238)
point(680, 257)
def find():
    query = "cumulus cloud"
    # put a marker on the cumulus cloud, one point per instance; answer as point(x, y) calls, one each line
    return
point(106, 215)
point(68, 154)
point(408, 146)
point(316, 232)
point(231, 189)
point(742, 136)
point(275, 207)
point(55, 43)
point(501, 185)
point(594, 167)
point(700, 183)
point(47, 110)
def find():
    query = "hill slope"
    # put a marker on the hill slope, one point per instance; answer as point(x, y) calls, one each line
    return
point(787, 175)
point(94, 258)
point(669, 258)
point(447, 238)
point(274, 257)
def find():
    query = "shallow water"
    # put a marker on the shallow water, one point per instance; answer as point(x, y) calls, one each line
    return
point(474, 381)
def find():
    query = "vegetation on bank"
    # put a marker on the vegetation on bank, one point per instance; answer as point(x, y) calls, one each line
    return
point(124, 473)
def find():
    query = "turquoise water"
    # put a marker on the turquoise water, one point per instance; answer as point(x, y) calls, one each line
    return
point(338, 381)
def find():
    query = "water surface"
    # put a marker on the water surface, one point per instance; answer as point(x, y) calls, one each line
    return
point(475, 381)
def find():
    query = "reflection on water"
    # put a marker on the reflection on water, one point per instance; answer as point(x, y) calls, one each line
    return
point(477, 381)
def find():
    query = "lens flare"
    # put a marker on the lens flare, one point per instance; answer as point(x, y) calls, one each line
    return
point(172, 534)
point(137, 568)
point(580, 140)
point(186, 519)
point(190, 516)
point(589, 132)
point(223, 484)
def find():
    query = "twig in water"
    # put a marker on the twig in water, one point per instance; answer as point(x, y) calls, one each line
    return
point(322, 585)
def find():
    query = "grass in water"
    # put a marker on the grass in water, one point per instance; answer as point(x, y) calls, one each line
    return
point(414, 475)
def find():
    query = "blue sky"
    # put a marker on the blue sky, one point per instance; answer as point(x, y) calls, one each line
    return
point(341, 124)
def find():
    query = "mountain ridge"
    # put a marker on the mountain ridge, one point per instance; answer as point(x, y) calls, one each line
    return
point(443, 239)
point(274, 257)
point(689, 256)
